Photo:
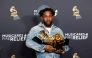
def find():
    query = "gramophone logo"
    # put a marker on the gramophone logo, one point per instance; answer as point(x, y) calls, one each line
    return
point(14, 13)
point(76, 13)
point(13, 56)
point(75, 55)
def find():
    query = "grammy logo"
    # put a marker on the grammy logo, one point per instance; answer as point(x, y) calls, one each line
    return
point(13, 56)
point(76, 12)
point(14, 13)
point(75, 55)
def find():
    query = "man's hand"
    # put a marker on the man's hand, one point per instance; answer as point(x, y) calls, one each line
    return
point(60, 51)
point(49, 48)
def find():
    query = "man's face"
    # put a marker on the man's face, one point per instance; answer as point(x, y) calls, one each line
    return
point(47, 18)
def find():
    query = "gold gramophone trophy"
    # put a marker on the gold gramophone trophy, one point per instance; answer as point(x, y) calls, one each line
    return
point(57, 41)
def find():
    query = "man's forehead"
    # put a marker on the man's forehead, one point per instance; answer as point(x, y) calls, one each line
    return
point(47, 13)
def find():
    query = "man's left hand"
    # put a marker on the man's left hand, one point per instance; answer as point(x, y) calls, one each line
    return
point(60, 51)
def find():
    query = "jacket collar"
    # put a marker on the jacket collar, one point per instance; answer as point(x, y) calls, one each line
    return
point(42, 25)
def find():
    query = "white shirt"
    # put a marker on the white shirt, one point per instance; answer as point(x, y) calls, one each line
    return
point(49, 29)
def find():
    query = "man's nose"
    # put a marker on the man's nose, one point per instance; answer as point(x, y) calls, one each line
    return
point(48, 18)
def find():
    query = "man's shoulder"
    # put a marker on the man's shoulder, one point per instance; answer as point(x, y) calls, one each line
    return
point(57, 27)
point(34, 28)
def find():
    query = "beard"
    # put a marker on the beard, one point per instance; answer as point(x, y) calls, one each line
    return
point(46, 24)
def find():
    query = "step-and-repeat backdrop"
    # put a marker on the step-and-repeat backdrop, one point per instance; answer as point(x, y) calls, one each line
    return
point(17, 17)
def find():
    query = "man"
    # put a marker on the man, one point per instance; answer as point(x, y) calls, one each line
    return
point(43, 50)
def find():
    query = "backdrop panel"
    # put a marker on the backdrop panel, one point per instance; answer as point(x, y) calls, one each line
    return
point(64, 19)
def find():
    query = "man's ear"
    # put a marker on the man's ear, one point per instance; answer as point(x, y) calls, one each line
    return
point(52, 17)
point(41, 18)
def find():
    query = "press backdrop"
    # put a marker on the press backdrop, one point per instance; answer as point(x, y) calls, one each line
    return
point(65, 20)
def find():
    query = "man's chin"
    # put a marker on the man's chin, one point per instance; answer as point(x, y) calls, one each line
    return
point(48, 25)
